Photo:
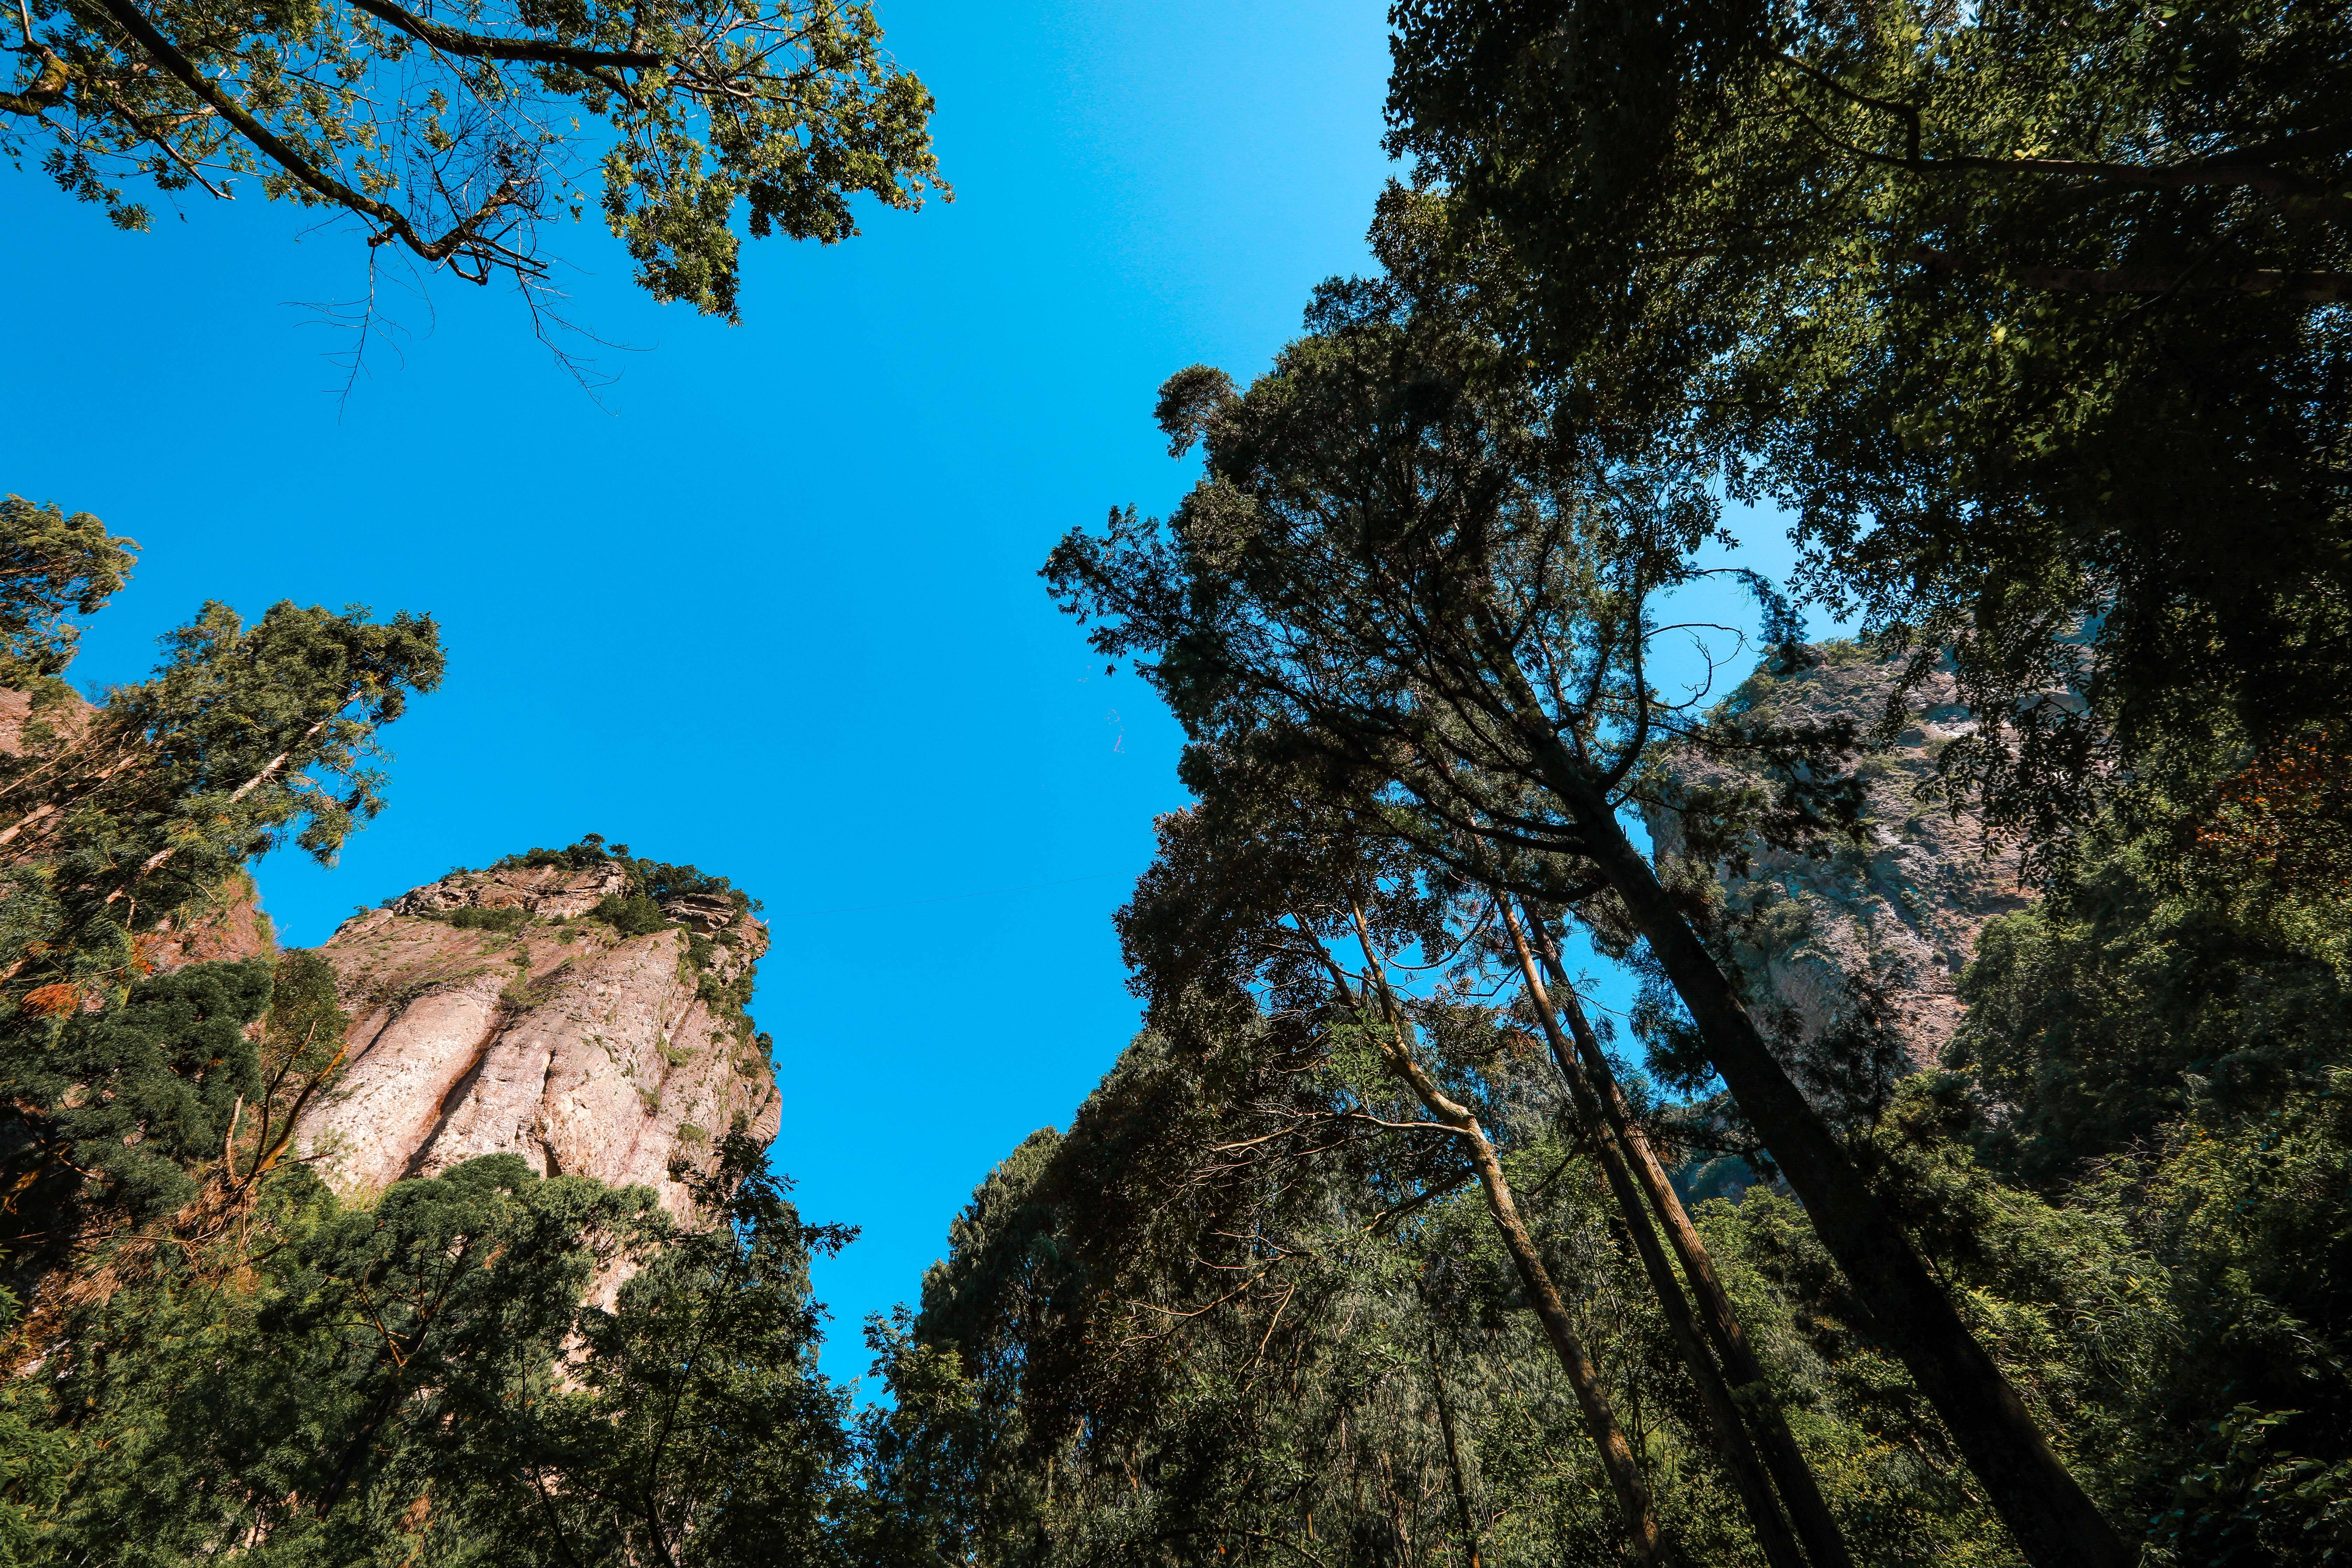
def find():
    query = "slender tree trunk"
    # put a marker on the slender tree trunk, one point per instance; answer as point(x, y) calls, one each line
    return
point(269, 770)
point(1647, 1541)
point(1453, 1456)
point(38, 814)
point(2053, 1519)
point(1800, 1491)
point(50, 808)
point(1727, 1434)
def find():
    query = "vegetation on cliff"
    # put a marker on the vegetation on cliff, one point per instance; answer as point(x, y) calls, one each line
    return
point(208, 1349)
point(123, 822)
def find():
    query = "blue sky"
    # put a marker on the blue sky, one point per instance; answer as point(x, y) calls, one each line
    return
point(772, 608)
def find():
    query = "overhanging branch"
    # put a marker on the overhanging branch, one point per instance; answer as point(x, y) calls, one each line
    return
point(488, 46)
point(2319, 287)
point(395, 224)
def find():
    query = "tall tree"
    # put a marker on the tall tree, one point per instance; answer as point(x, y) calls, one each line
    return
point(1234, 860)
point(1621, 1148)
point(247, 736)
point(2032, 311)
point(1394, 1037)
point(1401, 575)
point(1592, 1079)
point(699, 1431)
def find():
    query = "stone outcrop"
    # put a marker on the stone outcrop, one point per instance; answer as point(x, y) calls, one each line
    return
point(489, 1015)
point(1901, 911)
point(225, 923)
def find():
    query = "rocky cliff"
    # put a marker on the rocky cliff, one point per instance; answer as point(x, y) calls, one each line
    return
point(1901, 912)
point(492, 1011)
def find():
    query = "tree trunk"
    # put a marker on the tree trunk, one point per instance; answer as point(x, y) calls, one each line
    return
point(1726, 1432)
point(1453, 1457)
point(2054, 1522)
point(1801, 1492)
point(1626, 1478)
point(269, 770)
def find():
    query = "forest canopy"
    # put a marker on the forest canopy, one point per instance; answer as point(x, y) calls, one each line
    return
point(1968, 1182)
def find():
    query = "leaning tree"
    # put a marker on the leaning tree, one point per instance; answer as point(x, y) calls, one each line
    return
point(1408, 577)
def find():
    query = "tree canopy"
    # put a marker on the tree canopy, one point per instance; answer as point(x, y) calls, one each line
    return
point(2030, 312)
point(461, 135)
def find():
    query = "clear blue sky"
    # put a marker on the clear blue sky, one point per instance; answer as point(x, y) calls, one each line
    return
point(772, 608)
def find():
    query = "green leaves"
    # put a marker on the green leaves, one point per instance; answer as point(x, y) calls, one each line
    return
point(459, 137)
point(2027, 312)
point(423, 1379)
point(52, 566)
point(145, 1092)
point(701, 1432)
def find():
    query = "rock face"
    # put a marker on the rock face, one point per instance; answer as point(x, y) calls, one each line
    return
point(488, 1017)
point(227, 923)
point(1904, 912)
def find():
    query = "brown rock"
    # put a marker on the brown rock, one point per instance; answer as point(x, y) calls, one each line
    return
point(67, 718)
point(225, 923)
point(551, 893)
point(1902, 911)
point(556, 1040)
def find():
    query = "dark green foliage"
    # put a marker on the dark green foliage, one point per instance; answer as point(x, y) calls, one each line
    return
point(2251, 1431)
point(2165, 1048)
point(651, 882)
point(701, 1431)
point(630, 914)
point(2179, 1317)
point(472, 917)
point(2150, 980)
point(144, 1091)
point(585, 856)
point(389, 1384)
point(2032, 311)
point(315, 1399)
point(52, 566)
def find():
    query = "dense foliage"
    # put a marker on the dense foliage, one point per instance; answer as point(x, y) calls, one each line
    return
point(455, 134)
point(425, 1379)
point(213, 1353)
point(2031, 315)
point(2032, 311)
point(1228, 1314)
point(1373, 1249)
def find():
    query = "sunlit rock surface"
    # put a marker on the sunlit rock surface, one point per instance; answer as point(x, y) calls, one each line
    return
point(559, 1040)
